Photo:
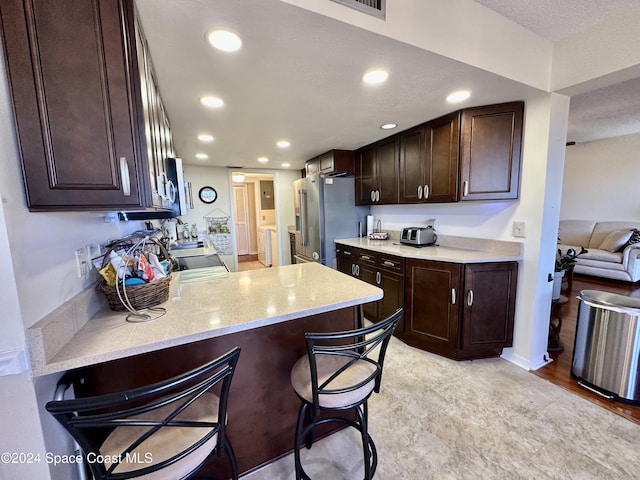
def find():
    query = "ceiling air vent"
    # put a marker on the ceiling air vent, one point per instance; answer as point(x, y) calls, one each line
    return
point(372, 7)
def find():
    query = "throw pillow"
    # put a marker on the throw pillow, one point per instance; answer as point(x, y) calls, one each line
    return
point(615, 240)
point(635, 238)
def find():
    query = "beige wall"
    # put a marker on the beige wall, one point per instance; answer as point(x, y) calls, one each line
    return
point(602, 180)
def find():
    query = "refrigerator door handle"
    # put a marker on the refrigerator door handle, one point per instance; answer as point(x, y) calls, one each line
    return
point(304, 223)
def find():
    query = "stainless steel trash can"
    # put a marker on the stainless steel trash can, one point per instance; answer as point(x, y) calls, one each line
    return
point(606, 353)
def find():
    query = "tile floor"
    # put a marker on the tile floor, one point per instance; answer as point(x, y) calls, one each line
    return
point(485, 419)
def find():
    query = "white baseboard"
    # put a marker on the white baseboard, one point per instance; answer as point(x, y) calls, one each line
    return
point(523, 362)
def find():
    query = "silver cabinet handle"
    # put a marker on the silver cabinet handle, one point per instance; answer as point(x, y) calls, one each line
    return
point(419, 192)
point(303, 218)
point(373, 195)
point(470, 298)
point(353, 269)
point(377, 195)
point(172, 191)
point(465, 188)
point(346, 252)
point(388, 263)
point(378, 278)
point(126, 178)
point(358, 270)
point(426, 192)
point(453, 296)
point(365, 257)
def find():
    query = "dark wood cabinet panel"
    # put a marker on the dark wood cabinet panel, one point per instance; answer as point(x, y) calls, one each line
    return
point(72, 72)
point(387, 171)
point(92, 129)
point(491, 140)
point(367, 273)
point(331, 162)
point(471, 154)
point(412, 163)
point(377, 173)
point(366, 180)
point(489, 306)
point(443, 148)
point(431, 307)
point(393, 286)
point(461, 312)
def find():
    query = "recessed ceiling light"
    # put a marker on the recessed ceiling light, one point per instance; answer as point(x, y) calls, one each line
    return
point(205, 137)
point(202, 156)
point(286, 165)
point(224, 40)
point(459, 96)
point(263, 159)
point(375, 76)
point(388, 126)
point(283, 144)
point(237, 177)
point(211, 102)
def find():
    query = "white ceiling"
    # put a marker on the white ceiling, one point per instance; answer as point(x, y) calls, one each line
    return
point(297, 77)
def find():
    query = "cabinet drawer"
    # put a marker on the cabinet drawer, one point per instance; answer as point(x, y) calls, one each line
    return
point(391, 263)
point(368, 257)
point(348, 252)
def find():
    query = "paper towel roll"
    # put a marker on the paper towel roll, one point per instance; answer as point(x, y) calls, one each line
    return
point(369, 224)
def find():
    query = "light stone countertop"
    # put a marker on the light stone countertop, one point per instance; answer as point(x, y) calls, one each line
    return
point(448, 249)
point(198, 311)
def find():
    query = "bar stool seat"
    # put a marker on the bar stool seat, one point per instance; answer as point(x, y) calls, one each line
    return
point(339, 373)
point(166, 430)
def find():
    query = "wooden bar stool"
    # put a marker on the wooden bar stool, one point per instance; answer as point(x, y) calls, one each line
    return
point(339, 373)
point(165, 430)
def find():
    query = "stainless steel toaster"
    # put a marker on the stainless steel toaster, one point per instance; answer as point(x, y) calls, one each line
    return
point(418, 236)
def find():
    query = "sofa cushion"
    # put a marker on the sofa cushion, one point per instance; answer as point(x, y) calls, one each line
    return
point(575, 232)
point(598, 264)
point(602, 229)
point(615, 240)
point(601, 256)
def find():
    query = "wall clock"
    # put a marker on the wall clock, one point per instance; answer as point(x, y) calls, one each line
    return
point(208, 194)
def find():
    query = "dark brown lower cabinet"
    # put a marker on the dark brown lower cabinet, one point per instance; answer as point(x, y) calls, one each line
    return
point(460, 311)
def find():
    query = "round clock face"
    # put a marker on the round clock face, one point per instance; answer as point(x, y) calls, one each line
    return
point(208, 194)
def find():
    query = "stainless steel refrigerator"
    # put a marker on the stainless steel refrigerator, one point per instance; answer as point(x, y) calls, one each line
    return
point(325, 210)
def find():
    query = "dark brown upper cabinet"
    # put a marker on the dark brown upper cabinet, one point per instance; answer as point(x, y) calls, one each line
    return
point(331, 163)
point(377, 173)
point(491, 142)
point(429, 161)
point(472, 154)
point(77, 95)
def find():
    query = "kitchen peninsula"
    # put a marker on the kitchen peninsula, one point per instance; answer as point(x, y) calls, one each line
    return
point(266, 312)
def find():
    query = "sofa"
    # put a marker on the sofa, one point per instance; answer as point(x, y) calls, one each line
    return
point(613, 248)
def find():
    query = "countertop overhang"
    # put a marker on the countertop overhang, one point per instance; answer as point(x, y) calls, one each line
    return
point(447, 249)
point(198, 311)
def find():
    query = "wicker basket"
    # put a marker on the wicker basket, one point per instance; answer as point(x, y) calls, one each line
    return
point(140, 296)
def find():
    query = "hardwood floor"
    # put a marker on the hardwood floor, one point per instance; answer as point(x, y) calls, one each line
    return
point(558, 372)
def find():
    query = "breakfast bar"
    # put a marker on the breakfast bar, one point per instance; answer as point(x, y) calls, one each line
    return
point(264, 312)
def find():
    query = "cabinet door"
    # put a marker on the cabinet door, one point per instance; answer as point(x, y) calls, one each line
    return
point(366, 182)
point(489, 305)
point(443, 148)
point(393, 286)
point(73, 76)
point(387, 170)
point(367, 273)
point(412, 165)
point(490, 152)
point(431, 305)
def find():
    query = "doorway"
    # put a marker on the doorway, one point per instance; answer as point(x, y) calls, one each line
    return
point(255, 220)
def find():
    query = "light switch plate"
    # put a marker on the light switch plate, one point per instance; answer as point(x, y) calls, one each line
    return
point(519, 229)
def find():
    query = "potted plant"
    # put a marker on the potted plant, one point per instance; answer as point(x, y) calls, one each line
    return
point(564, 261)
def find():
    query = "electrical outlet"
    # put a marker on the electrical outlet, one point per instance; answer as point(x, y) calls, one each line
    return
point(83, 262)
point(519, 229)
